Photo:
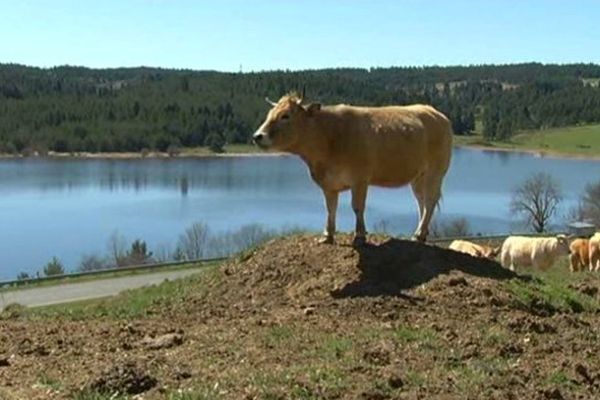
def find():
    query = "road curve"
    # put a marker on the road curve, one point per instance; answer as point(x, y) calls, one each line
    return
point(97, 288)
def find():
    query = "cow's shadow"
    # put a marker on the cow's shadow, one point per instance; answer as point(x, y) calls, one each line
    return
point(396, 265)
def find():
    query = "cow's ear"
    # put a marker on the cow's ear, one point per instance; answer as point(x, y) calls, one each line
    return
point(311, 109)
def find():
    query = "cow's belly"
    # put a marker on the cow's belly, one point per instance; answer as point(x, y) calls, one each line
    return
point(522, 258)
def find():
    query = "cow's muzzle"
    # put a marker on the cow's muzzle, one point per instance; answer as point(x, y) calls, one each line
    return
point(261, 139)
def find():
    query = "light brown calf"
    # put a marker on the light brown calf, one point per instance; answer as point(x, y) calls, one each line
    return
point(579, 259)
point(474, 249)
point(350, 148)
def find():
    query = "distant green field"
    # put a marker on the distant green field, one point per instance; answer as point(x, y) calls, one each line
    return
point(576, 141)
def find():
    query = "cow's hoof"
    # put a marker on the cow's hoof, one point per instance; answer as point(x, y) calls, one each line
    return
point(326, 240)
point(359, 241)
point(419, 238)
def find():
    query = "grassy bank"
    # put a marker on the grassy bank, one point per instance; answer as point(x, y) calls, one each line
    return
point(576, 141)
point(203, 151)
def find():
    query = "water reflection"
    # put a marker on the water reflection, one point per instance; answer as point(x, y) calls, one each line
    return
point(69, 207)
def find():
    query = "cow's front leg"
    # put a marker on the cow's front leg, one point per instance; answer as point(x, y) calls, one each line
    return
point(331, 202)
point(359, 199)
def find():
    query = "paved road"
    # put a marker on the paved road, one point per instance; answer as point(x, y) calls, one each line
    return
point(67, 292)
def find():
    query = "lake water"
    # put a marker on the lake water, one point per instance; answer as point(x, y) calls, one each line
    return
point(67, 208)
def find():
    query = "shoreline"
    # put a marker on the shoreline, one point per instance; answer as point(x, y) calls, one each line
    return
point(163, 155)
point(534, 152)
point(137, 156)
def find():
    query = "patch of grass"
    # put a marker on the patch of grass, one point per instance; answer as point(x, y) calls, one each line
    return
point(336, 348)
point(129, 304)
point(305, 382)
point(49, 382)
point(560, 379)
point(278, 334)
point(414, 378)
point(423, 336)
point(549, 296)
point(196, 394)
point(471, 375)
point(494, 336)
point(583, 140)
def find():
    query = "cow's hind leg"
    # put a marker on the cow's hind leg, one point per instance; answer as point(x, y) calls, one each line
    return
point(419, 193)
point(331, 202)
point(574, 262)
point(431, 192)
point(359, 199)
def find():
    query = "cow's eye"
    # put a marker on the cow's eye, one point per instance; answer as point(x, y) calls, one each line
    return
point(285, 117)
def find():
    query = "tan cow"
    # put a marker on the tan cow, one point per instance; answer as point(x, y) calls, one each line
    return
point(594, 252)
point(540, 252)
point(474, 249)
point(579, 259)
point(350, 148)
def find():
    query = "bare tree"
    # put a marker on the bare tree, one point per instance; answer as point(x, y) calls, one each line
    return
point(192, 244)
point(383, 226)
point(590, 203)
point(117, 247)
point(249, 236)
point(92, 262)
point(537, 199)
point(163, 253)
point(456, 227)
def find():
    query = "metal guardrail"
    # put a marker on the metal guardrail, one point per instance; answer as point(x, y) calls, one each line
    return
point(132, 268)
point(493, 237)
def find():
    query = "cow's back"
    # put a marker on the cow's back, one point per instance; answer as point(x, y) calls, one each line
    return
point(464, 247)
point(517, 250)
point(394, 144)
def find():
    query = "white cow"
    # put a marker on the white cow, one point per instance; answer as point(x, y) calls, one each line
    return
point(540, 252)
point(594, 249)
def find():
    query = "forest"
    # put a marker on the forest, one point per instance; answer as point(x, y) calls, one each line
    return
point(74, 109)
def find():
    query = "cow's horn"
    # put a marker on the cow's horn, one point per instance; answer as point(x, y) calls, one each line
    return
point(271, 102)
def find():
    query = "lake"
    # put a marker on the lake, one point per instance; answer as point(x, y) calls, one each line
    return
point(67, 208)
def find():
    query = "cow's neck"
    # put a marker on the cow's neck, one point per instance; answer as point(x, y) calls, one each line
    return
point(316, 143)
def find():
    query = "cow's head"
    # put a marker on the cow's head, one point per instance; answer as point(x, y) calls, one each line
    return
point(285, 122)
point(491, 252)
point(562, 242)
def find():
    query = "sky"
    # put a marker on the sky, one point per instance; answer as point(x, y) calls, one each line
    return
point(256, 35)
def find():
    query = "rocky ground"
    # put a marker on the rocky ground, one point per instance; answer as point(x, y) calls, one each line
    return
point(298, 320)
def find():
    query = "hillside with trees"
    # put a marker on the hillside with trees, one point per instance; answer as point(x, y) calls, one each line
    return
point(68, 109)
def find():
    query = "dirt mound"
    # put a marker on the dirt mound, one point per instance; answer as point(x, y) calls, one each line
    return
point(301, 272)
point(296, 319)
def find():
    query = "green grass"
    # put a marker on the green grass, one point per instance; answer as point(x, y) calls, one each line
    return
point(129, 304)
point(581, 140)
point(192, 394)
point(49, 382)
point(228, 149)
point(550, 294)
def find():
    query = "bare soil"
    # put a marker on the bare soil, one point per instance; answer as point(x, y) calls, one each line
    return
point(295, 319)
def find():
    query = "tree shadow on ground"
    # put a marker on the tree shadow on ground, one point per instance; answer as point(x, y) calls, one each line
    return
point(396, 265)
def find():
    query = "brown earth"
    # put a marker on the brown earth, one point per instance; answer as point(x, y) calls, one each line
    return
point(295, 319)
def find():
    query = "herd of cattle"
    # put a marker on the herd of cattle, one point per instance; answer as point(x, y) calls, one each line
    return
point(539, 252)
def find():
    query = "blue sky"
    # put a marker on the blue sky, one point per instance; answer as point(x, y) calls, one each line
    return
point(296, 34)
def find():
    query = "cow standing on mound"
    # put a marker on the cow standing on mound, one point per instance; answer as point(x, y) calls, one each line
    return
point(540, 252)
point(350, 148)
